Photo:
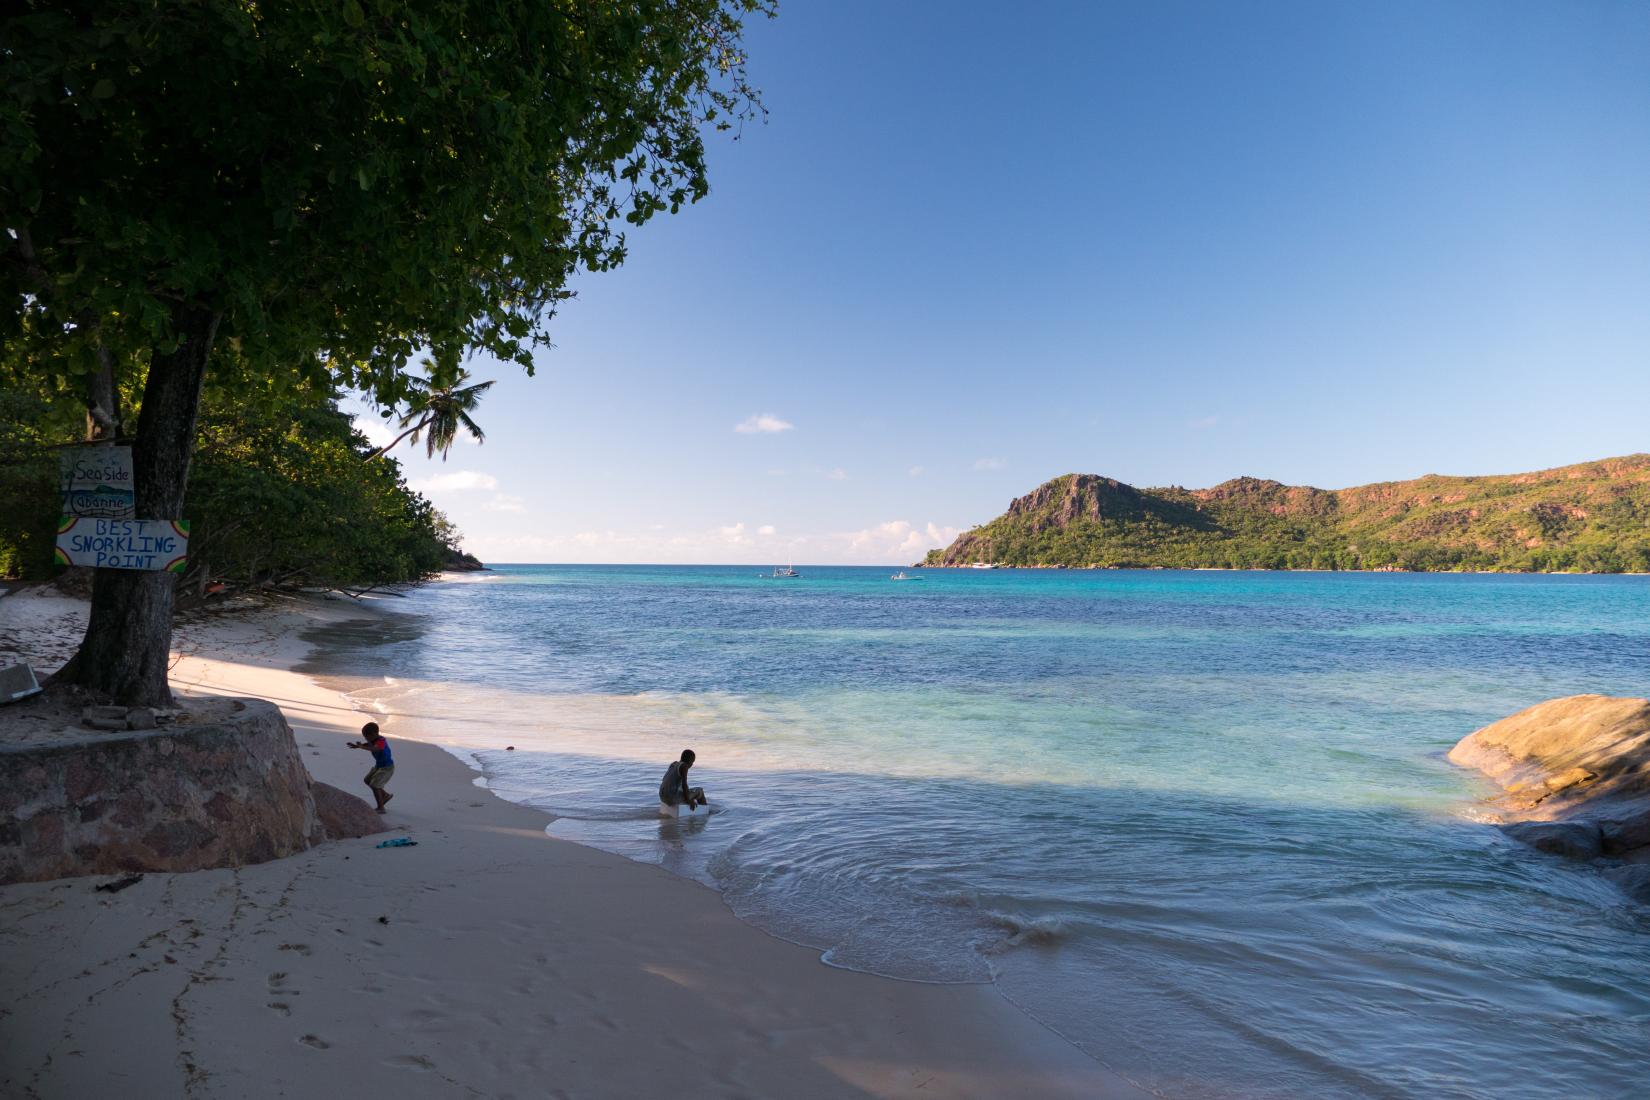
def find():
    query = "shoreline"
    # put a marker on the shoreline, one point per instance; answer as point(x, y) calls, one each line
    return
point(508, 960)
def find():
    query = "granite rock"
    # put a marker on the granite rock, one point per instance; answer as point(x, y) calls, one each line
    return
point(1574, 775)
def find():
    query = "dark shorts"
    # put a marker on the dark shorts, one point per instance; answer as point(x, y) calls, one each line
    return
point(380, 776)
point(695, 793)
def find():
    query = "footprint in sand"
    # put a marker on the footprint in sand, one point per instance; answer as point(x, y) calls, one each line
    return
point(411, 1061)
point(301, 948)
point(280, 1008)
point(314, 1041)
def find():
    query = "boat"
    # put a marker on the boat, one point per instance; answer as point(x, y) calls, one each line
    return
point(782, 573)
point(902, 575)
point(982, 565)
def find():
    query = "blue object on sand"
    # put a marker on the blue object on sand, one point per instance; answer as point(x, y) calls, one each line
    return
point(398, 842)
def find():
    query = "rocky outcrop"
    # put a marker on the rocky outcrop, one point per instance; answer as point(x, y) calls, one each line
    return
point(1574, 776)
point(221, 786)
point(458, 562)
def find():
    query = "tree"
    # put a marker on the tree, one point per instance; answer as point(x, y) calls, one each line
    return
point(325, 188)
point(442, 404)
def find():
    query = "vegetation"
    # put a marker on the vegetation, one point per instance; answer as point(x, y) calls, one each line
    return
point(278, 496)
point(439, 406)
point(1594, 517)
point(305, 194)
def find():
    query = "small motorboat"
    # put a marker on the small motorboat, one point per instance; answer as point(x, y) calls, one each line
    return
point(902, 575)
point(783, 573)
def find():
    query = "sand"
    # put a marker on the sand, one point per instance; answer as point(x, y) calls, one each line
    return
point(491, 960)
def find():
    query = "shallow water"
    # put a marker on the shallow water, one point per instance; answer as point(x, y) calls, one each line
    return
point(1199, 823)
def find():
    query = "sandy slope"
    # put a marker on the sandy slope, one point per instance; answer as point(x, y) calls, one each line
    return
point(490, 960)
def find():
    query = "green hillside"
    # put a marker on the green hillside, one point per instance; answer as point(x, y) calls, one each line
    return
point(1592, 517)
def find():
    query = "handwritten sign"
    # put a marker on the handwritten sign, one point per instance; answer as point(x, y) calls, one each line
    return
point(97, 482)
point(161, 544)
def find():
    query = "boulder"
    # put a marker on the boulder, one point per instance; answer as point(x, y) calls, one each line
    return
point(1572, 839)
point(222, 789)
point(1565, 745)
point(1575, 778)
point(342, 815)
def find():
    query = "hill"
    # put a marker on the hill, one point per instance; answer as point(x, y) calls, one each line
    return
point(1591, 517)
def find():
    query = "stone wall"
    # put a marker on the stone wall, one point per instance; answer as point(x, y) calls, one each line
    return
point(222, 787)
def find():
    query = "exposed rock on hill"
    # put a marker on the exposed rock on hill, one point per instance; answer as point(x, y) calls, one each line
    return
point(1575, 779)
point(458, 562)
point(1594, 516)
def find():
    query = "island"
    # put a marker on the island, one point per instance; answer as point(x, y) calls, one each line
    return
point(1591, 517)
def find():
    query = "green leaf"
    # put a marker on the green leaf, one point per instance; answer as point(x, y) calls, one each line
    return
point(353, 14)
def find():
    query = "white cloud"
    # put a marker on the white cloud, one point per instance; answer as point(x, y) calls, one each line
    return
point(378, 432)
point(916, 471)
point(1203, 422)
point(459, 481)
point(896, 542)
point(838, 474)
point(504, 502)
point(762, 424)
point(989, 463)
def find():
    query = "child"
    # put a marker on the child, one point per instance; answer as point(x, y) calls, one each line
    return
point(674, 789)
point(383, 764)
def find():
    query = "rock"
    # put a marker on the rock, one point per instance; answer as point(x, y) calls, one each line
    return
point(1574, 772)
point(1605, 737)
point(1571, 839)
point(1626, 826)
point(342, 815)
point(140, 718)
point(224, 790)
point(103, 717)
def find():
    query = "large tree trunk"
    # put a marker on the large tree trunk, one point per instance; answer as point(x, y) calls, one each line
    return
point(129, 637)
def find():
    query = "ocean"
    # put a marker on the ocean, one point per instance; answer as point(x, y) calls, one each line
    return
point(1198, 823)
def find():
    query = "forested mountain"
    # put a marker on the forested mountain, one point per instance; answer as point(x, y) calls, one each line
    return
point(1592, 517)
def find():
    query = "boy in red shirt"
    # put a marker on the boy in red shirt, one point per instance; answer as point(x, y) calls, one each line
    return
point(383, 764)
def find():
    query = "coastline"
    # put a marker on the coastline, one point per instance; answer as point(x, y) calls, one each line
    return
point(492, 959)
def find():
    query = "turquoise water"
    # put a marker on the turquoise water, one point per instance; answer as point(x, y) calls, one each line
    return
point(1198, 823)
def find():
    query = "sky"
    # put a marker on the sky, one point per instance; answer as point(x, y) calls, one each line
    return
point(976, 246)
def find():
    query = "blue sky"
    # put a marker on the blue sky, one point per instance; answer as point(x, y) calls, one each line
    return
point(980, 245)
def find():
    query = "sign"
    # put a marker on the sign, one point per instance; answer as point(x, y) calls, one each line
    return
point(97, 482)
point(123, 543)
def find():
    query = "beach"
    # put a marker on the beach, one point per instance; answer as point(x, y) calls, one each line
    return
point(489, 960)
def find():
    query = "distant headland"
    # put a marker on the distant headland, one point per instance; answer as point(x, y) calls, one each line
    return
point(1592, 517)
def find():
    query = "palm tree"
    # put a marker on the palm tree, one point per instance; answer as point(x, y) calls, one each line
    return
point(442, 404)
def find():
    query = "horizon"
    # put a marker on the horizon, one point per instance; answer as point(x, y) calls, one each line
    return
point(1326, 247)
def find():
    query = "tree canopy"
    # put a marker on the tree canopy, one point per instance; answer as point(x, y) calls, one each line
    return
point(345, 183)
point(294, 197)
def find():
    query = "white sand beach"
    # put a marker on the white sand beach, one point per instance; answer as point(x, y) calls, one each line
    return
point(490, 960)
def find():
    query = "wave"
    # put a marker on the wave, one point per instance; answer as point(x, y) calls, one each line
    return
point(1026, 931)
